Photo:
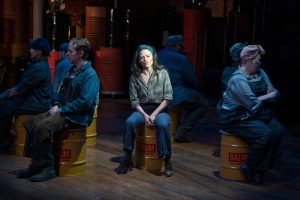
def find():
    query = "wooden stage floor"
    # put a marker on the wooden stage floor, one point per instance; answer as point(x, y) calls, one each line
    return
point(196, 169)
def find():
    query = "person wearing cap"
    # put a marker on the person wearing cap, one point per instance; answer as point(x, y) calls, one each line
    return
point(246, 112)
point(234, 51)
point(74, 108)
point(32, 95)
point(150, 92)
point(61, 68)
point(183, 80)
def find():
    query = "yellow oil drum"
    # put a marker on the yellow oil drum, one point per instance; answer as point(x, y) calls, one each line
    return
point(146, 149)
point(234, 152)
point(20, 134)
point(175, 119)
point(91, 131)
point(71, 152)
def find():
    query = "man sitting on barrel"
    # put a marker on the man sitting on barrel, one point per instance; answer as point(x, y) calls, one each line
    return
point(32, 95)
point(183, 80)
point(74, 108)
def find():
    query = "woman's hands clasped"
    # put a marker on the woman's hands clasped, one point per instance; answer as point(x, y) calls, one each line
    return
point(149, 119)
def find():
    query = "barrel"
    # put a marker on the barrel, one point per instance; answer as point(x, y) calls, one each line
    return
point(91, 131)
point(175, 119)
point(18, 50)
point(52, 60)
point(146, 149)
point(79, 32)
point(20, 134)
point(194, 37)
point(95, 26)
point(15, 21)
point(71, 152)
point(234, 152)
point(111, 67)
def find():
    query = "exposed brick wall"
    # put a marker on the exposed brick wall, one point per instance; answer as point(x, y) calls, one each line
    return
point(217, 7)
point(76, 9)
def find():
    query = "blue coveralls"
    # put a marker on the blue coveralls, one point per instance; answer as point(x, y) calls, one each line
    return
point(262, 131)
point(183, 80)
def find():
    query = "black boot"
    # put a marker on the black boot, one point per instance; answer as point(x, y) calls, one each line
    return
point(253, 176)
point(126, 165)
point(34, 168)
point(46, 174)
point(168, 166)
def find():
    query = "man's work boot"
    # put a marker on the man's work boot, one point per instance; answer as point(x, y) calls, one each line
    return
point(30, 171)
point(45, 174)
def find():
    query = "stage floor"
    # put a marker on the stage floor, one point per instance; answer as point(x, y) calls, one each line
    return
point(196, 168)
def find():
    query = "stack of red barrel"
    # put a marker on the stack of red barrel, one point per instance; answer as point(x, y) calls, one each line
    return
point(194, 37)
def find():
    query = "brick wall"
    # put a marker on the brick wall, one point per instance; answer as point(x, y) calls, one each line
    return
point(217, 7)
point(76, 9)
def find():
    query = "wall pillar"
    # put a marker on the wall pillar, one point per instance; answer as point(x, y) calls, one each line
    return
point(38, 13)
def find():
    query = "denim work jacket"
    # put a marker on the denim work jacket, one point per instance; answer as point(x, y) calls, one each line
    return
point(82, 96)
point(61, 69)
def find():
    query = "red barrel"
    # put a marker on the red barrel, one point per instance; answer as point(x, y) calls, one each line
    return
point(52, 60)
point(15, 22)
point(194, 36)
point(95, 26)
point(110, 64)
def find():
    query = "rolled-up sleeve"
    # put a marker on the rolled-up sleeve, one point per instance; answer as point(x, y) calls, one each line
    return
point(240, 90)
point(133, 93)
point(167, 87)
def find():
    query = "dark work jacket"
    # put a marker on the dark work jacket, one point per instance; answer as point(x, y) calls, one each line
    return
point(35, 87)
point(82, 95)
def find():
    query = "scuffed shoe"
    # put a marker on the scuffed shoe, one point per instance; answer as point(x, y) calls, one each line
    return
point(124, 167)
point(168, 168)
point(30, 171)
point(244, 169)
point(251, 175)
point(45, 174)
point(258, 178)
